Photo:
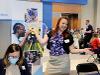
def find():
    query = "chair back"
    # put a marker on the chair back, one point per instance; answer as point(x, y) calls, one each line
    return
point(86, 67)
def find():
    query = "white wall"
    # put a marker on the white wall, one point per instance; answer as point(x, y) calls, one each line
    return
point(5, 10)
point(4, 35)
point(98, 14)
point(87, 13)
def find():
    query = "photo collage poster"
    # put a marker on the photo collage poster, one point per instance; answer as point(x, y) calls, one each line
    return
point(28, 18)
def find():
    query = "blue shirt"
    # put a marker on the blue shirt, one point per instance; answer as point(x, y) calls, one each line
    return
point(57, 45)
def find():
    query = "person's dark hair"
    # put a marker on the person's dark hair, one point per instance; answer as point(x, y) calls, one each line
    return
point(57, 27)
point(88, 20)
point(13, 48)
point(16, 27)
point(95, 34)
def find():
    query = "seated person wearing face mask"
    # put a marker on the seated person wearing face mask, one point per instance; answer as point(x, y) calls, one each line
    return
point(13, 62)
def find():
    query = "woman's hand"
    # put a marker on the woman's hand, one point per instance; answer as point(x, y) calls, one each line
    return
point(35, 30)
point(27, 33)
point(88, 51)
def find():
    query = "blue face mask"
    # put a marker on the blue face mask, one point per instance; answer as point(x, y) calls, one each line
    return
point(13, 60)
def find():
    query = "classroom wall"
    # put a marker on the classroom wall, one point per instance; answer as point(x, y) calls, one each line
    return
point(98, 14)
point(87, 12)
point(4, 35)
point(58, 8)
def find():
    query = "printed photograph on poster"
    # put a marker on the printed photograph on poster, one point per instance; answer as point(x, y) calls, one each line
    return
point(18, 30)
point(32, 56)
point(31, 15)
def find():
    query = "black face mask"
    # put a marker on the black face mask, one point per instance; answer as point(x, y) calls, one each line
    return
point(22, 34)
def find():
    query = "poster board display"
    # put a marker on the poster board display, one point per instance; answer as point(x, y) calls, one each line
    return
point(25, 17)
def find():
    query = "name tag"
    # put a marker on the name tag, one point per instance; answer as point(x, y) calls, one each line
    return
point(67, 41)
point(23, 68)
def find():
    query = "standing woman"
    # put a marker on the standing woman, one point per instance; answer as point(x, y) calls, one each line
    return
point(59, 42)
point(13, 62)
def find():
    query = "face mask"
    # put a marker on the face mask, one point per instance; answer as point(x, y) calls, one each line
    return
point(13, 60)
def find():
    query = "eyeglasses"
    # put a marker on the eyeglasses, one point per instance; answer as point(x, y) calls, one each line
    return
point(13, 56)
